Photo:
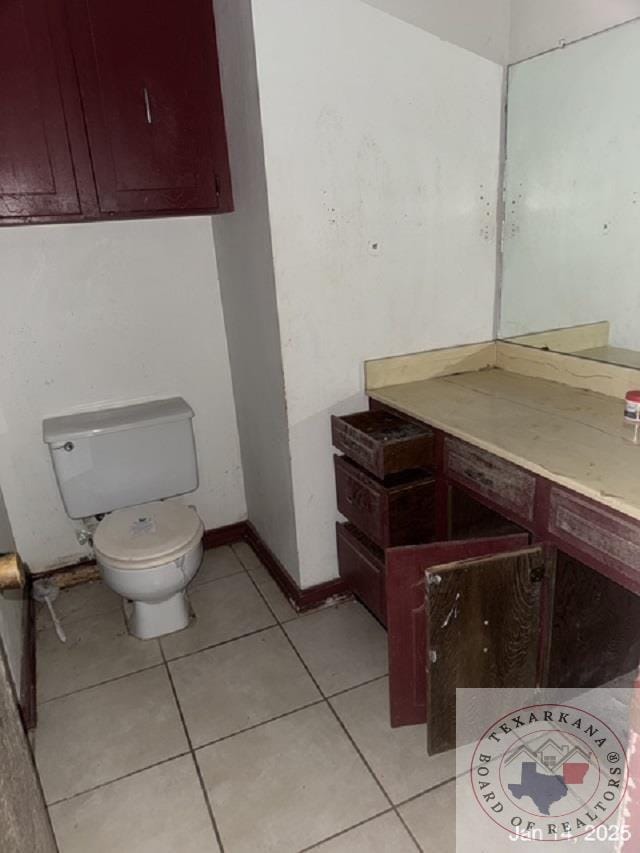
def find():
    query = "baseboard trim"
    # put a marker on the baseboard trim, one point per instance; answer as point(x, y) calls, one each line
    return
point(242, 531)
point(302, 599)
point(227, 535)
point(28, 703)
point(71, 575)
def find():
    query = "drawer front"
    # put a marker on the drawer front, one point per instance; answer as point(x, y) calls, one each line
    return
point(362, 501)
point(362, 568)
point(383, 443)
point(504, 484)
point(600, 533)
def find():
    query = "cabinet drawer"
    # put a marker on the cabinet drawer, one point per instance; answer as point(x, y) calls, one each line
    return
point(601, 534)
point(398, 512)
point(504, 484)
point(383, 443)
point(362, 567)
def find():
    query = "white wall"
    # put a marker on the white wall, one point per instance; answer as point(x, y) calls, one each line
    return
point(102, 314)
point(382, 155)
point(11, 608)
point(542, 25)
point(245, 263)
point(571, 250)
point(482, 27)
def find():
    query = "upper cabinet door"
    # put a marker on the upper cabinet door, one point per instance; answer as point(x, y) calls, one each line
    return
point(150, 88)
point(36, 173)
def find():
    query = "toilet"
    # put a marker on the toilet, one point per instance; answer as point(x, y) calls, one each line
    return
point(123, 465)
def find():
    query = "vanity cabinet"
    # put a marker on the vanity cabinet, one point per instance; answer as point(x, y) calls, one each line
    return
point(518, 582)
point(111, 110)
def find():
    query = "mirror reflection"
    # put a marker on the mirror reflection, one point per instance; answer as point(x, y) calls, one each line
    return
point(571, 276)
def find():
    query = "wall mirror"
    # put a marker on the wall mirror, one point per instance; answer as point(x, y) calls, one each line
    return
point(571, 275)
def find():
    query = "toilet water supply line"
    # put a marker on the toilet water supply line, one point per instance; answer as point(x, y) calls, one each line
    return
point(46, 591)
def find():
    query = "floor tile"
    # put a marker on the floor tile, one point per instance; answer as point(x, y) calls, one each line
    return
point(432, 819)
point(160, 810)
point(250, 561)
point(98, 648)
point(268, 587)
point(224, 609)
point(384, 834)
point(99, 734)
point(278, 603)
point(217, 563)
point(240, 684)
point(288, 784)
point(342, 646)
point(78, 602)
point(398, 757)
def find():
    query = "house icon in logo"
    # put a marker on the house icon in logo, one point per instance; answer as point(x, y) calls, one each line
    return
point(552, 755)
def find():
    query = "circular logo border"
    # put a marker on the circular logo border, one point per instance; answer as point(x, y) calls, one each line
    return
point(622, 753)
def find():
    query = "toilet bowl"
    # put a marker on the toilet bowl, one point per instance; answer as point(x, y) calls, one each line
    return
point(148, 554)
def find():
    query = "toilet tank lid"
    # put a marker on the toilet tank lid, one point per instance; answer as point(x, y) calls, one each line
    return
point(83, 424)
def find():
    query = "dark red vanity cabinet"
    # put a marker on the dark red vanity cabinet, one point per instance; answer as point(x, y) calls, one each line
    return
point(110, 110)
point(504, 580)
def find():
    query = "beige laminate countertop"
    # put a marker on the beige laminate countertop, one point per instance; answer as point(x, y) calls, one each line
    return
point(575, 438)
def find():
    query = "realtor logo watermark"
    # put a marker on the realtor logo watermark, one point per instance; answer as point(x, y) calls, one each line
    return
point(546, 772)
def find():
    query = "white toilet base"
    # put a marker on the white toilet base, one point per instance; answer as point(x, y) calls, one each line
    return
point(148, 619)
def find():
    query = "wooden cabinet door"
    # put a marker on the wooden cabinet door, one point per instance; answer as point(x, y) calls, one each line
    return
point(36, 170)
point(150, 87)
point(485, 628)
point(406, 627)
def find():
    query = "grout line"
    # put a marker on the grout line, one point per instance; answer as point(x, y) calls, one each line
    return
point(100, 683)
point(323, 698)
point(432, 789)
point(342, 725)
point(345, 831)
point(203, 787)
point(155, 665)
point(282, 716)
point(256, 586)
point(394, 808)
point(217, 645)
point(74, 618)
point(194, 587)
point(117, 779)
point(356, 686)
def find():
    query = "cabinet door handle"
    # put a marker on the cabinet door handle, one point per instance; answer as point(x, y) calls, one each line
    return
point(147, 105)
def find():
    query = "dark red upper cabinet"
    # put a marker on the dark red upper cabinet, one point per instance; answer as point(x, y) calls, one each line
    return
point(110, 109)
point(36, 167)
point(150, 88)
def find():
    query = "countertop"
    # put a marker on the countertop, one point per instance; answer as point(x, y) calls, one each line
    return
point(573, 437)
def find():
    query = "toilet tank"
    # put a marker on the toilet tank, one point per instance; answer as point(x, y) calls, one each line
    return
point(113, 458)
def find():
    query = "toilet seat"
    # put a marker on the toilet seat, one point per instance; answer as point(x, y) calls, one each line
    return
point(147, 535)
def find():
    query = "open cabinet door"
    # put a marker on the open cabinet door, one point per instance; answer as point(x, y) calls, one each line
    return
point(485, 628)
point(405, 601)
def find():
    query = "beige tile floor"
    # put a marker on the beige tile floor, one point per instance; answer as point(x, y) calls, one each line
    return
point(255, 729)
